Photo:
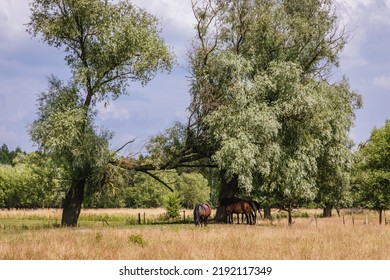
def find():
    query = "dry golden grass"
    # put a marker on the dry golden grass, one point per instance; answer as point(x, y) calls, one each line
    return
point(307, 238)
point(56, 213)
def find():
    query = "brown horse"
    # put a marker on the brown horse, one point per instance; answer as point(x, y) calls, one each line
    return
point(201, 213)
point(241, 207)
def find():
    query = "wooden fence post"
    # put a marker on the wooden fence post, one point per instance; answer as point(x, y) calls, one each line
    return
point(184, 215)
point(139, 218)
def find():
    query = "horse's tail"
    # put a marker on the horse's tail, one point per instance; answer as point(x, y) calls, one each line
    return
point(197, 215)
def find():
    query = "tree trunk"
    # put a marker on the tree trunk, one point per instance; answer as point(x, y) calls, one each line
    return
point(327, 211)
point(267, 213)
point(72, 203)
point(290, 221)
point(228, 190)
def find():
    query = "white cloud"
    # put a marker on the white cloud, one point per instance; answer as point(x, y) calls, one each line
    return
point(13, 16)
point(112, 112)
point(175, 13)
point(382, 82)
point(362, 18)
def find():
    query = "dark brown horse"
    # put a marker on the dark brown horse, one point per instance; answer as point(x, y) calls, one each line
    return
point(201, 213)
point(242, 207)
point(238, 206)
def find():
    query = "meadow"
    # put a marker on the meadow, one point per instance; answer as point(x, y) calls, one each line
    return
point(114, 234)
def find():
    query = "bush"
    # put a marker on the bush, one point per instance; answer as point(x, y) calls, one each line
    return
point(137, 239)
point(173, 206)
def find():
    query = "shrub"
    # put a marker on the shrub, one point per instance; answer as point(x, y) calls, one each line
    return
point(173, 206)
point(137, 239)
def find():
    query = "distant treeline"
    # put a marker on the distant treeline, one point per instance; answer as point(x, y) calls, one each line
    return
point(7, 156)
point(33, 181)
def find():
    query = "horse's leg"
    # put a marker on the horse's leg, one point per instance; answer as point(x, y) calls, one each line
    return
point(261, 215)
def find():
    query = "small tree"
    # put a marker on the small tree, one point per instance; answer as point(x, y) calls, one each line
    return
point(372, 174)
point(173, 206)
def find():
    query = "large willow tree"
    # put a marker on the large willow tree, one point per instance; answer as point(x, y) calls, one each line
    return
point(107, 44)
point(264, 108)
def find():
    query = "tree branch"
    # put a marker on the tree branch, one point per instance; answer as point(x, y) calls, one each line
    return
point(157, 179)
point(127, 143)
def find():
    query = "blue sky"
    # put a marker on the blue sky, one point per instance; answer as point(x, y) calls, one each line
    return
point(25, 64)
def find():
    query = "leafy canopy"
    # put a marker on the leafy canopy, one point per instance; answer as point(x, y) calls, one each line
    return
point(263, 106)
point(107, 44)
point(372, 169)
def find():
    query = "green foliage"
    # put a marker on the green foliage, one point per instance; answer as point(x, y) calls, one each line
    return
point(168, 146)
point(64, 131)
point(30, 183)
point(61, 117)
point(146, 192)
point(139, 190)
point(107, 45)
point(192, 188)
point(172, 206)
point(372, 170)
point(7, 156)
point(262, 103)
point(137, 239)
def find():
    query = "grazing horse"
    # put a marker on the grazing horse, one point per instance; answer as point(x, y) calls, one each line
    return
point(238, 206)
point(241, 207)
point(201, 213)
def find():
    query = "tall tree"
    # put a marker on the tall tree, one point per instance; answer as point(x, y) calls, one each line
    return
point(262, 97)
point(107, 45)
